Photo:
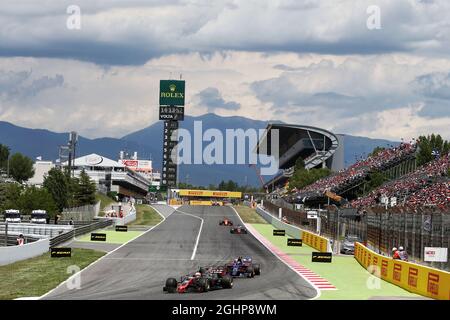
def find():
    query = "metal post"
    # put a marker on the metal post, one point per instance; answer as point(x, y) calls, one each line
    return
point(6, 234)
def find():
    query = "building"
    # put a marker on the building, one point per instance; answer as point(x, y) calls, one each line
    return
point(41, 169)
point(110, 175)
point(317, 147)
point(144, 167)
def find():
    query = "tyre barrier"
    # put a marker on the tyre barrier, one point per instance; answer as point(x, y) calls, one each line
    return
point(426, 281)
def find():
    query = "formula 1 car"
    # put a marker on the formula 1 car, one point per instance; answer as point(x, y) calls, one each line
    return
point(243, 267)
point(208, 278)
point(238, 229)
point(226, 222)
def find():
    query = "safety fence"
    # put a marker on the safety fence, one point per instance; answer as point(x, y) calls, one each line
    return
point(319, 243)
point(415, 278)
point(381, 228)
point(79, 231)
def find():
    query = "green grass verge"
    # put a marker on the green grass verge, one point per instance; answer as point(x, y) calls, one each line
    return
point(344, 272)
point(36, 276)
point(112, 236)
point(145, 216)
point(104, 202)
point(249, 215)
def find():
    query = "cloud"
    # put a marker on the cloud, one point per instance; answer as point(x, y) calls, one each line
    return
point(18, 84)
point(133, 32)
point(212, 99)
point(434, 85)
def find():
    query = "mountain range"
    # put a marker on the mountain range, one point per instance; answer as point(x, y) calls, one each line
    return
point(148, 143)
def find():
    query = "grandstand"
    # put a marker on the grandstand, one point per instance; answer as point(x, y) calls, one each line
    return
point(347, 182)
point(318, 147)
point(426, 185)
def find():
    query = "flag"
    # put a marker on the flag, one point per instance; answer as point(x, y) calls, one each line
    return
point(39, 158)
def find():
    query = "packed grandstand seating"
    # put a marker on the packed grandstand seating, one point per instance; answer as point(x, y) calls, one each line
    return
point(415, 187)
point(358, 171)
point(436, 194)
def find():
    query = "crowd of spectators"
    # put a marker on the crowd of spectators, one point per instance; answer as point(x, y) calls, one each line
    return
point(418, 187)
point(360, 169)
point(436, 194)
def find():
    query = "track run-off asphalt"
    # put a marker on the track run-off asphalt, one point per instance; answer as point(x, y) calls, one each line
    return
point(188, 237)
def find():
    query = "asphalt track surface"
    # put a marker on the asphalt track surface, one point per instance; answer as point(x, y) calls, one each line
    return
point(138, 270)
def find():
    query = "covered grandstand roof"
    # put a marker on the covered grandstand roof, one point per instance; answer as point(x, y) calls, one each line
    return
point(317, 147)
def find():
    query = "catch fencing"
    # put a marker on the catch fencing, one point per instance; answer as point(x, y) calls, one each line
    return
point(79, 231)
point(382, 228)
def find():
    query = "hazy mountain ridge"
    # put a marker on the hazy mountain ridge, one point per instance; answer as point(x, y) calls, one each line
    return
point(148, 142)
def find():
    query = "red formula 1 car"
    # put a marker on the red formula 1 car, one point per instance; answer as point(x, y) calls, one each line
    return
point(238, 229)
point(208, 278)
point(226, 222)
point(243, 267)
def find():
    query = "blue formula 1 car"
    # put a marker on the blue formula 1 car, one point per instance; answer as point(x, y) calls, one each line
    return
point(243, 267)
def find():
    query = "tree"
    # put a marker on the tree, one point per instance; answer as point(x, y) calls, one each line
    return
point(21, 167)
point(9, 195)
point(57, 184)
point(33, 199)
point(426, 146)
point(4, 155)
point(376, 151)
point(302, 177)
point(299, 164)
point(85, 193)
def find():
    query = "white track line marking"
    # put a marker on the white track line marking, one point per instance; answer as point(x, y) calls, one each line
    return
point(199, 231)
point(279, 258)
point(103, 257)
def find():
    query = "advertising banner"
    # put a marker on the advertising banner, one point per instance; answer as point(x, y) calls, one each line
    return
point(171, 92)
point(434, 254)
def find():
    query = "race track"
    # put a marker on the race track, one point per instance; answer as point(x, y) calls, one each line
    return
point(138, 270)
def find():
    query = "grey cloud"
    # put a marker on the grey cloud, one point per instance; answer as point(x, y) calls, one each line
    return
point(282, 94)
point(212, 99)
point(112, 34)
point(19, 85)
point(434, 109)
point(433, 85)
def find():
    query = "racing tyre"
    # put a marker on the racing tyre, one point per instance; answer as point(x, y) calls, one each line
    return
point(227, 282)
point(251, 272)
point(171, 285)
point(204, 285)
point(231, 230)
point(257, 269)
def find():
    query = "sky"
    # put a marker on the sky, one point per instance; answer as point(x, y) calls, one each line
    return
point(377, 68)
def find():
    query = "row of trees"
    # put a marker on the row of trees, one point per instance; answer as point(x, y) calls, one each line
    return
point(302, 177)
point(18, 166)
point(58, 192)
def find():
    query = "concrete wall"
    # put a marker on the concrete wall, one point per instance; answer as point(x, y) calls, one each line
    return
point(17, 253)
point(44, 230)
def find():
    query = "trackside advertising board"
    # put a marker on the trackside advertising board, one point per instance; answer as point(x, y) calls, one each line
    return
point(210, 193)
point(60, 252)
point(435, 254)
point(413, 277)
point(171, 92)
point(317, 242)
